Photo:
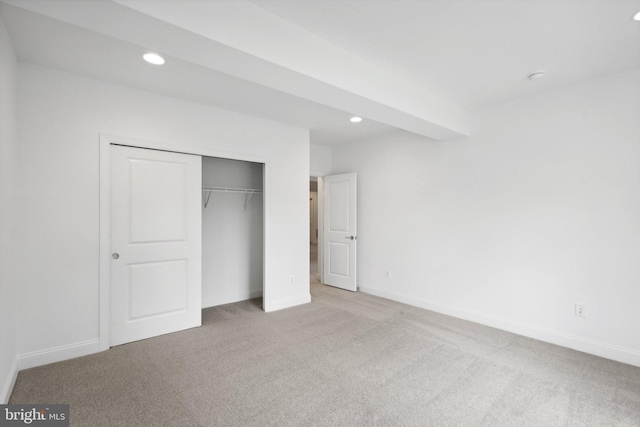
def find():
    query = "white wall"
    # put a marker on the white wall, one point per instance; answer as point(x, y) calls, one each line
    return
point(8, 172)
point(60, 117)
point(232, 236)
point(320, 160)
point(537, 210)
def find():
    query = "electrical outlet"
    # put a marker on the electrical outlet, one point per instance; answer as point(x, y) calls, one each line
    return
point(581, 310)
point(292, 279)
point(387, 274)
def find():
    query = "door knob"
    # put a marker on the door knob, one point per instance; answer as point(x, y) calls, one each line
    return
point(115, 255)
point(350, 237)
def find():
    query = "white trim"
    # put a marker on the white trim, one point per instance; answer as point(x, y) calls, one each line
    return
point(104, 242)
point(5, 394)
point(105, 208)
point(266, 231)
point(57, 354)
point(231, 298)
point(168, 146)
point(286, 303)
point(321, 229)
point(586, 345)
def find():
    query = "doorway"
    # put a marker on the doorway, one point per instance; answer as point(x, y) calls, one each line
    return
point(314, 232)
point(313, 228)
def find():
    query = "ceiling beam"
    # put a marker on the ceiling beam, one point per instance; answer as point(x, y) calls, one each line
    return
point(241, 39)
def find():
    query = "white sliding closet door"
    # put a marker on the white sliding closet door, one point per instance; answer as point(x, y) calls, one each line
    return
point(155, 243)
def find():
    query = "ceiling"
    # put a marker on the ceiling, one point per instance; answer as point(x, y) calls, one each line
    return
point(478, 53)
point(421, 66)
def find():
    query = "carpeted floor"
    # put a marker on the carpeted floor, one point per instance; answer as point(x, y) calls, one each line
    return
point(346, 359)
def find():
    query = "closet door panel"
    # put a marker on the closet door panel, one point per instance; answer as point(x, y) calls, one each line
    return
point(155, 242)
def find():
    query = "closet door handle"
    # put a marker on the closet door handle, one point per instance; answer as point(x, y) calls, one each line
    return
point(351, 237)
point(115, 255)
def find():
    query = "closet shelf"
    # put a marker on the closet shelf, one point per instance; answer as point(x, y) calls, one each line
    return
point(249, 192)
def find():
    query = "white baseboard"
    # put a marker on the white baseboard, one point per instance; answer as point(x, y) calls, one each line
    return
point(44, 357)
point(286, 303)
point(231, 298)
point(586, 345)
point(5, 394)
point(57, 354)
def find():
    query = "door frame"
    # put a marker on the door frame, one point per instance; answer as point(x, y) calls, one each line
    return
point(104, 250)
point(320, 208)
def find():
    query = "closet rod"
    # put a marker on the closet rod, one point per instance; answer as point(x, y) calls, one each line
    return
point(232, 190)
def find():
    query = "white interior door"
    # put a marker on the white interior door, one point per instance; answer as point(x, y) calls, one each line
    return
point(155, 243)
point(339, 236)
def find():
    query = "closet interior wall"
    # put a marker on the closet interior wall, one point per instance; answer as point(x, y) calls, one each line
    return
point(232, 232)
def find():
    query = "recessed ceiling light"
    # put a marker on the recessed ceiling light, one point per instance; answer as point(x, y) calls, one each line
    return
point(537, 75)
point(153, 58)
point(355, 119)
point(636, 17)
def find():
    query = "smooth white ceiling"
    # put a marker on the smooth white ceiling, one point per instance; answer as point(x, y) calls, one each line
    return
point(454, 53)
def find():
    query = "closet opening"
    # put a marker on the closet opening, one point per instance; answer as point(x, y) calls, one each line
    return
point(232, 231)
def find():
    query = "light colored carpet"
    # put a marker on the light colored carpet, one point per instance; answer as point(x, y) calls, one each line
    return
point(346, 359)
